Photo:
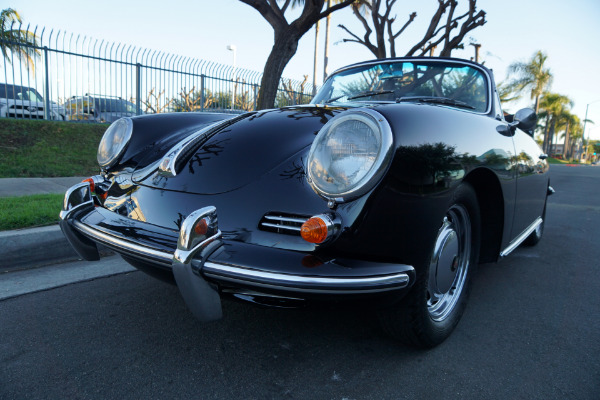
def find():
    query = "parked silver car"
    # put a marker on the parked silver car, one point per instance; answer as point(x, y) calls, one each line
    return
point(18, 101)
point(98, 108)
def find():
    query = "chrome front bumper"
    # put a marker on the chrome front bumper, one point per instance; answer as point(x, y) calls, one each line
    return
point(201, 258)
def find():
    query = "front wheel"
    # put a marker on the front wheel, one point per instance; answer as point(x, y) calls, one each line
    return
point(431, 311)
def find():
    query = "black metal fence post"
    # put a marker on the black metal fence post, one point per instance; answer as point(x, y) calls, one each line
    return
point(202, 92)
point(46, 86)
point(255, 96)
point(138, 89)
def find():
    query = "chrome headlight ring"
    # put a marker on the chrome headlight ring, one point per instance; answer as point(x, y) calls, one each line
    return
point(114, 142)
point(350, 155)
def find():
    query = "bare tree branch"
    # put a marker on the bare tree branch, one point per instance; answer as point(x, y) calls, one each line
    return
point(440, 31)
point(432, 30)
point(392, 37)
point(336, 7)
point(356, 39)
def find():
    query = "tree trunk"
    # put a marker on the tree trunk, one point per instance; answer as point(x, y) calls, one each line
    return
point(284, 48)
point(566, 145)
point(545, 142)
point(551, 136)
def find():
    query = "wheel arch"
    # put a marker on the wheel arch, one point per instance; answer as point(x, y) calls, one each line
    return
point(491, 205)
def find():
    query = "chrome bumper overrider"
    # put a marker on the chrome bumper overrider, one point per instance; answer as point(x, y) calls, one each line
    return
point(200, 239)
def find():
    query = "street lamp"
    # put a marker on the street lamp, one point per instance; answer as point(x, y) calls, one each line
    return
point(232, 47)
point(584, 124)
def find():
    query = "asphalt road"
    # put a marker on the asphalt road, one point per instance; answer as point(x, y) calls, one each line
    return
point(531, 331)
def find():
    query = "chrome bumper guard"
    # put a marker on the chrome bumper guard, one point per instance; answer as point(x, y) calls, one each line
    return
point(199, 239)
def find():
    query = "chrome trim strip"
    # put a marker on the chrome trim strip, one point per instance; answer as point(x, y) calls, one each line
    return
point(286, 219)
point(185, 256)
point(286, 282)
point(65, 214)
point(258, 294)
point(169, 161)
point(134, 248)
point(288, 227)
point(519, 239)
point(69, 208)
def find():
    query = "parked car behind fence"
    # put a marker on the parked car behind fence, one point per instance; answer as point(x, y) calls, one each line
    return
point(18, 101)
point(96, 108)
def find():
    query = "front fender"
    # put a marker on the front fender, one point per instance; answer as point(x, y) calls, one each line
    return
point(156, 133)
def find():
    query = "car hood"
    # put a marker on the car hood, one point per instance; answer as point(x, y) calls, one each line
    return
point(112, 116)
point(243, 151)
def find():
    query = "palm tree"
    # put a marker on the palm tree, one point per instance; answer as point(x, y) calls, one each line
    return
point(531, 76)
point(573, 130)
point(21, 43)
point(554, 106)
point(506, 92)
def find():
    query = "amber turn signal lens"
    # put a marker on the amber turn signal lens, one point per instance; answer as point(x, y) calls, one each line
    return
point(201, 227)
point(91, 182)
point(314, 230)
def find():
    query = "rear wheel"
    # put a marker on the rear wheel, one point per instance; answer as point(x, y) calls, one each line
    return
point(430, 312)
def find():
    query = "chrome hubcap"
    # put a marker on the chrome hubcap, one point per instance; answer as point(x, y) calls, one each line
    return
point(449, 263)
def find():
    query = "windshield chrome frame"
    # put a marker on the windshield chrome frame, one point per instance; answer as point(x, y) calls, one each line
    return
point(486, 74)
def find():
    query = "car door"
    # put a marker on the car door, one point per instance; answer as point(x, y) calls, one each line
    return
point(532, 182)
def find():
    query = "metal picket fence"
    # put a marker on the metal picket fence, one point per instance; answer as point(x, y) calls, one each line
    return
point(61, 75)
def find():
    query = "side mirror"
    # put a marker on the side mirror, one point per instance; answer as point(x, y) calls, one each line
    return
point(525, 119)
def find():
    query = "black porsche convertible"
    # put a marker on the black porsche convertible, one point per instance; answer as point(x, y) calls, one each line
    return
point(385, 191)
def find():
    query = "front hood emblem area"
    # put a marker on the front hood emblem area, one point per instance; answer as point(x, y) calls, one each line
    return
point(176, 156)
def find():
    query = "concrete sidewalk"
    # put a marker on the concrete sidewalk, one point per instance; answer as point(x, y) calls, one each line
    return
point(10, 187)
point(34, 247)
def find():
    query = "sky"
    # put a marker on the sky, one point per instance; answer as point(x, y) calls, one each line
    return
point(567, 31)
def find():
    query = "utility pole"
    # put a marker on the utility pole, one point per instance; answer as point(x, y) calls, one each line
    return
point(233, 48)
point(316, 58)
point(431, 50)
point(477, 46)
point(327, 30)
point(584, 124)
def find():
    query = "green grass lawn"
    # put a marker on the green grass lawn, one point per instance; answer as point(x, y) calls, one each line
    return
point(30, 148)
point(29, 211)
point(556, 161)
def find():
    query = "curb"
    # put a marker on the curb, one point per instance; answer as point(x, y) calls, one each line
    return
point(34, 247)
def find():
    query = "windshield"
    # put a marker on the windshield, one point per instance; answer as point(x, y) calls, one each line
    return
point(458, 84)
point(16, 92)
point(114, 105)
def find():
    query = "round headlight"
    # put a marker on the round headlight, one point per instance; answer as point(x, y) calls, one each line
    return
point(114, 142)
point(350, 154)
